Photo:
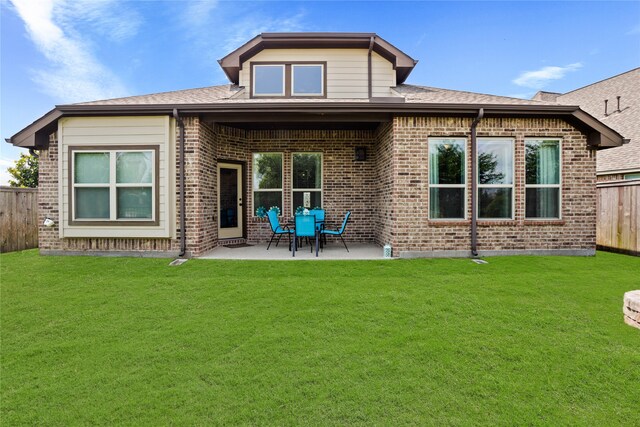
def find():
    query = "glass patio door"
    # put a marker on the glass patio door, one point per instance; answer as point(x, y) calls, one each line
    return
point(229, 201)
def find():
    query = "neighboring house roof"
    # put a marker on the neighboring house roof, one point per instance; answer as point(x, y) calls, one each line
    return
point(402, 63)
point(625, 121)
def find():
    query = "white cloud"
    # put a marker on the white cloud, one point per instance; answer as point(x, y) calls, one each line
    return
point(197, 12)
point(59, 30)
point(111, 19)
point(246, 29)
point(540, 78)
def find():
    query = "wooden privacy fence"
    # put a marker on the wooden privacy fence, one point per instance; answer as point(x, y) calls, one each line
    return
point(18, 219)
point(619, 216)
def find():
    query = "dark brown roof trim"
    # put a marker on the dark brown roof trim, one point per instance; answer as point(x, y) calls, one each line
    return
point(37, 133)
point(316, 106)
point(599, 135)
point(232, 63)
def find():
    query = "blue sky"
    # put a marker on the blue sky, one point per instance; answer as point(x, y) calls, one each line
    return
point(64, 51)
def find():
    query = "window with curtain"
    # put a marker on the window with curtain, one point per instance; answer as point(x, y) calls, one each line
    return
point(306, 182)
point(495, 178)
point(113, 185)
point(267, 180)
point(542, 162)
point(447, 182)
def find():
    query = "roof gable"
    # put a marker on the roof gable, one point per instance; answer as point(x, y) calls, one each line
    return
point(402, 63)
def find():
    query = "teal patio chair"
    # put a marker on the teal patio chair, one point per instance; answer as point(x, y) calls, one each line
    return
point(319, 213)
point(277, 229)
point(340, 231)
point(305, 227)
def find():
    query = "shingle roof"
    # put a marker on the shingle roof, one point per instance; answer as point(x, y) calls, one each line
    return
point(231, 99)
point(226, 93)
point(413, 93)
point(626, 121)
point(202, 95)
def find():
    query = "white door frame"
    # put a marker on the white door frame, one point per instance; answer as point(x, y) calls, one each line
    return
point(232, 232)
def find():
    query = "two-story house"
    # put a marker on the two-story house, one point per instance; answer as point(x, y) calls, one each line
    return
point(318, 119)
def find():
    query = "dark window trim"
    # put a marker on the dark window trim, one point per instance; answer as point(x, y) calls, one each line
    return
point(513, 187)
point(559, 186)
point(253, 191)
point(320, 190)
point(109, 148)
point(287, 79)
point(464, 186)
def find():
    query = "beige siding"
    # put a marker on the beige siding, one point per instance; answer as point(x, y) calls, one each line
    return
point(346, 70)
point(105, 131)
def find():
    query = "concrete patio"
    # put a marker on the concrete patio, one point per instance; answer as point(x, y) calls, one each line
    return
point(332, 251)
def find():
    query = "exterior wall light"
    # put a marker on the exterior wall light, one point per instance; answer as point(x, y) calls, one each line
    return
point(360, 154)
point(48, 222)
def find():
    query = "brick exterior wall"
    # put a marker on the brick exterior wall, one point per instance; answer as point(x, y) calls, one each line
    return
point(383, 220)
point(412, 229)
point(387, 194)
point(347, 184)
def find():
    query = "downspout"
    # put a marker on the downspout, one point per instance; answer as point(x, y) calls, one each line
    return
point(474, 185)
point(369, 70)
point(33, 153)
point(183, 231)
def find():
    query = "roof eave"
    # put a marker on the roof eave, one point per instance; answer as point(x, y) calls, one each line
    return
point(598, 134)
point(36, 135)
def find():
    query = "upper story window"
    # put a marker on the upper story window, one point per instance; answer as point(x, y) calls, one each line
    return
point(307, 80)
point(288, 79)
point(268, 80)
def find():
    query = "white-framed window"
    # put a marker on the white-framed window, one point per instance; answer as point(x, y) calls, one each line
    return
point(267, 180)
point(543, 177)
point(495, 161)
point(117, 185)
point(306, 180)
point(447, 178)
point(307, 79)
point(268, 80)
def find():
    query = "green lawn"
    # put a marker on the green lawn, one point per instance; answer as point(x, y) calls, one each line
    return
point(521, 340)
